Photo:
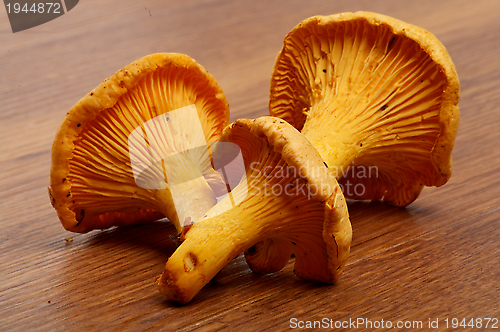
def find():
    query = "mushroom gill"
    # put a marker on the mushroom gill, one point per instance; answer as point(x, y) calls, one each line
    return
point(159, 112)
point(377, 98)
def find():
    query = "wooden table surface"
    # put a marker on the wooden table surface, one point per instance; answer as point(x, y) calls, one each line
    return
point(436, 259)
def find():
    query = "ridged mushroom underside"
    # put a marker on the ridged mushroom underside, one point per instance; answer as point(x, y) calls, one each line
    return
point(364, 89)
point(97, 182)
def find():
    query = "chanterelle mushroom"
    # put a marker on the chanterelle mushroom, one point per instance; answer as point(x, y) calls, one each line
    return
point(378, 99)
point(289, 203)
point(135, 149)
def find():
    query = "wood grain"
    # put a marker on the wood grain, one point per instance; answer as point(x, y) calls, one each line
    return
point(438, 258)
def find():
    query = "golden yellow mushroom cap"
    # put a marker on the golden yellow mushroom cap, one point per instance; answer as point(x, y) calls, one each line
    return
point(92, 182)
point(372, 94)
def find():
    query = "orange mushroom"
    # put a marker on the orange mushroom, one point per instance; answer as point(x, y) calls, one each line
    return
point(135, 149)
point(288, 203)
point(376, 97)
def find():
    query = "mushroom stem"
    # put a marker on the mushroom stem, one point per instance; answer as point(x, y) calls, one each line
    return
point(338, 154)
point(287, 200)
point(211, 243)
point(186, 202)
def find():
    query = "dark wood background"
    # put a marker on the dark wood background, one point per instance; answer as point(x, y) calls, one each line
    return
point(436, 259)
